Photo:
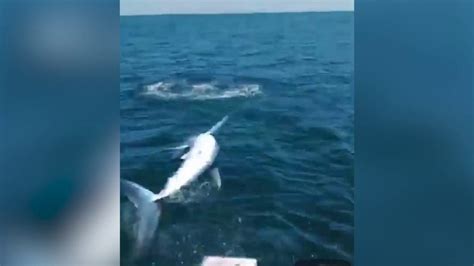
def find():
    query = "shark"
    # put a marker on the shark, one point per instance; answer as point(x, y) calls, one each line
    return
point(198, 156)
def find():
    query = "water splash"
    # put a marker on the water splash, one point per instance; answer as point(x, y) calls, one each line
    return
point(182, 90)
point(192, 193)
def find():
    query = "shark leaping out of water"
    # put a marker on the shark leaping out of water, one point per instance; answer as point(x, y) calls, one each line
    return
point(199, 158)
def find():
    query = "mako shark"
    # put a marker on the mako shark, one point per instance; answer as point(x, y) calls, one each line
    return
point(147, 214)
point(200, 157)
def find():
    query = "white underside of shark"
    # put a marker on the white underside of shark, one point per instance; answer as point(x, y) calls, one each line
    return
point(203, 150)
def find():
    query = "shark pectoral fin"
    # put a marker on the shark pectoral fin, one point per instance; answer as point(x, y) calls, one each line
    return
point(184, 156)
point(178, 151)
point(216, 176)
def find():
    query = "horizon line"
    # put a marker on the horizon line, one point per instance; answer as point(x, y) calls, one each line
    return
point(234, 13)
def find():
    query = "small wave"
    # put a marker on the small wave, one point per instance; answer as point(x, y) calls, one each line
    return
point(202, 91)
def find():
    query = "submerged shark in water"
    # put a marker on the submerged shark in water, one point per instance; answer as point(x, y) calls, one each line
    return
point(199, 158)
point(147, 215)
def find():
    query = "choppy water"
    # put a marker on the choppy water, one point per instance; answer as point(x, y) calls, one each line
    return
point(286, 156)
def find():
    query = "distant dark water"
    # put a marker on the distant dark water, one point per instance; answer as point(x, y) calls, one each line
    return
point(286, 152)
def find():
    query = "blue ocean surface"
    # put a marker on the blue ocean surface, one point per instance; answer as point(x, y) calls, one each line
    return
point(286, 153)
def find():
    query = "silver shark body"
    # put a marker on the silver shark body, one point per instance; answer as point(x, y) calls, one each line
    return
point(202, 153)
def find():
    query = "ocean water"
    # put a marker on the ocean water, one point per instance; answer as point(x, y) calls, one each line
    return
point(287, 150)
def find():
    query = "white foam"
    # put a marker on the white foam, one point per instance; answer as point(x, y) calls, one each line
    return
point(202, 91)
point(203, 88)
point(161, 89)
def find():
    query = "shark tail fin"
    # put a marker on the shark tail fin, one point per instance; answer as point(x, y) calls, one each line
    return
point(148, 214)
point(139, 195)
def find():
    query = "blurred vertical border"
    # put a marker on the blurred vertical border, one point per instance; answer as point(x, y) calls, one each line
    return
point(414, 176)
point(59, 132)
